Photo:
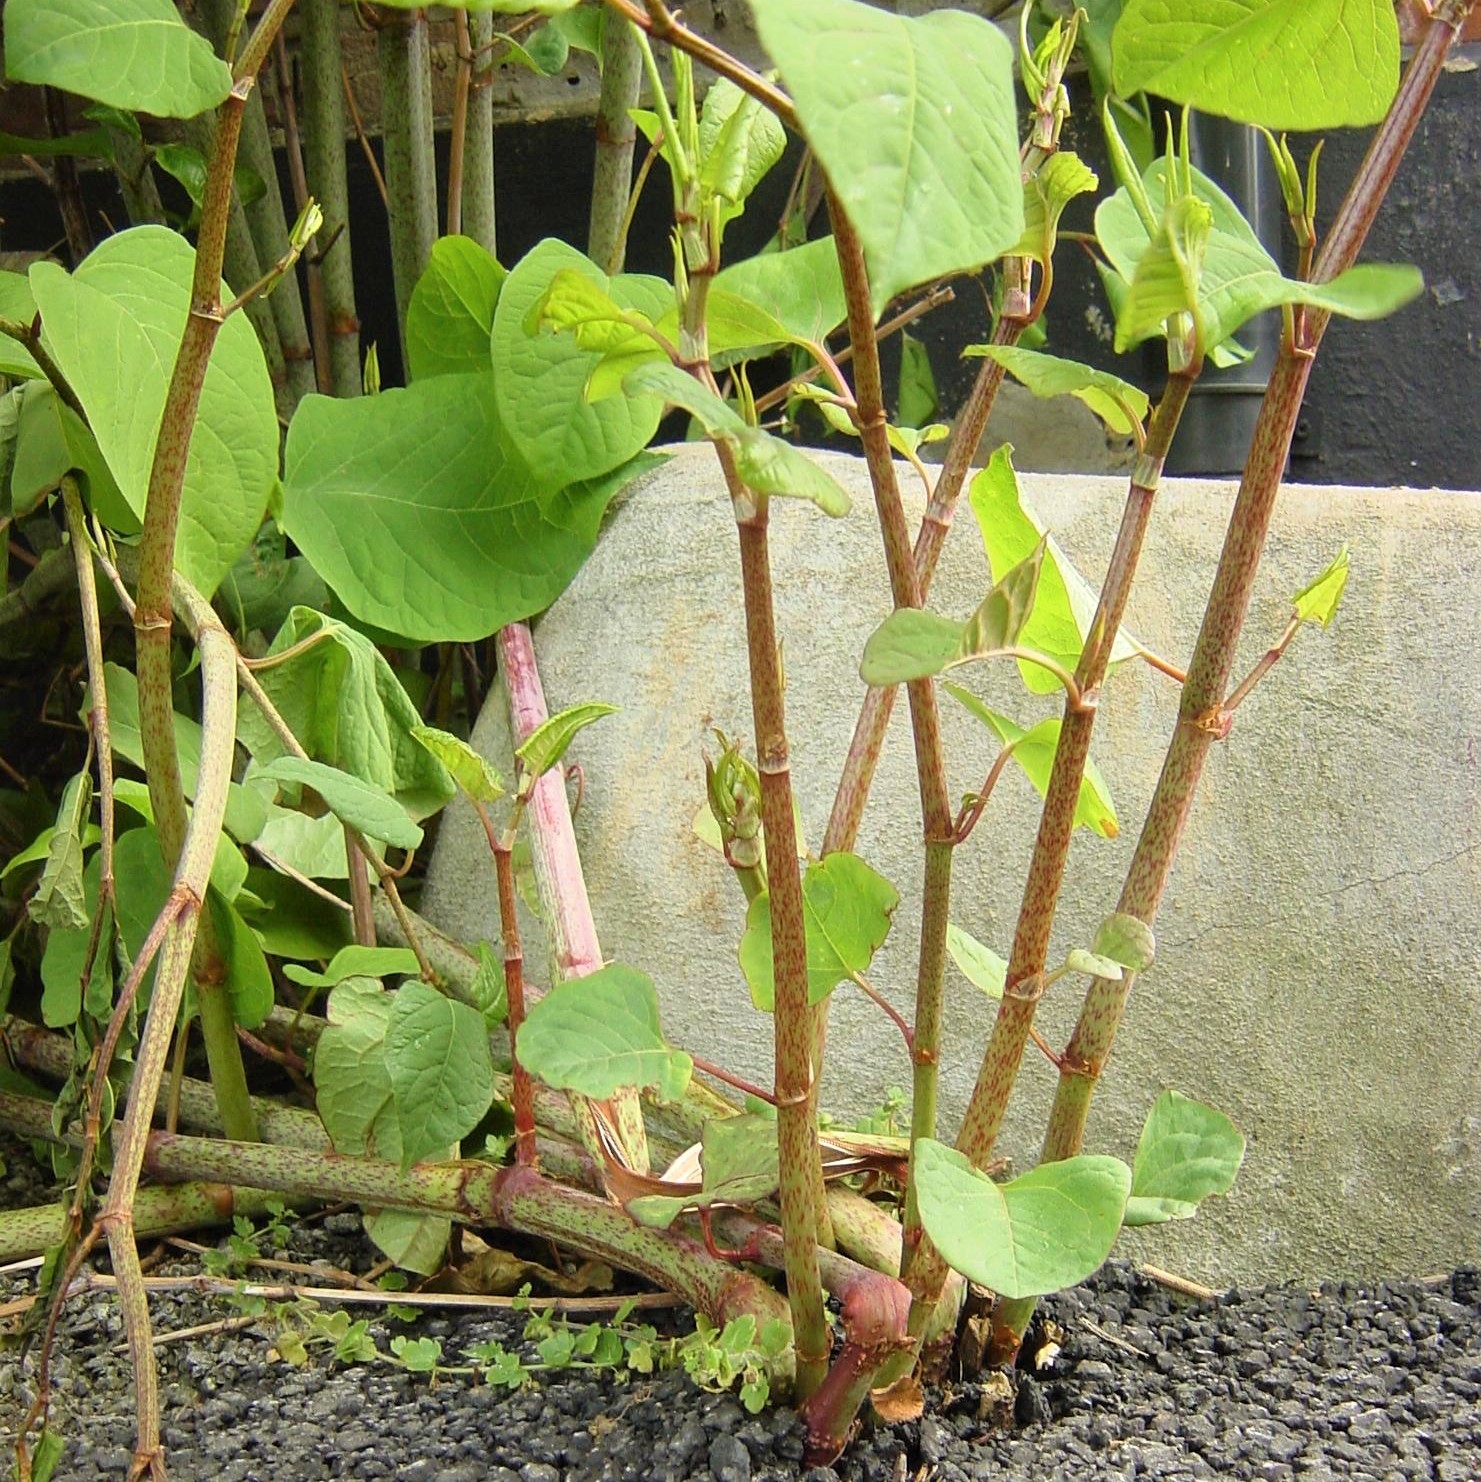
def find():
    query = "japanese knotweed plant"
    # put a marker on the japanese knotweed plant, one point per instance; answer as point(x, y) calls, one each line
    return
point(251, 863)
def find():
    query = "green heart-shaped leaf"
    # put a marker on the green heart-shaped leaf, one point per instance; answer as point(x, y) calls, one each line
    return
point(1286, 64)
point(1187, 1152)
point(1038, 1233)
point(915, 122)
point(134, 54)
point(598, 1034)
point(846, 909)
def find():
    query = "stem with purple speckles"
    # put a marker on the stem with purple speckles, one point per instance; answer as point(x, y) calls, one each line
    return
point(1201, 714)
point(1203, 717)
point(1025, 976)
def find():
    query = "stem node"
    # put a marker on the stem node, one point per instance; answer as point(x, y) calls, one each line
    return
point(1216, 721)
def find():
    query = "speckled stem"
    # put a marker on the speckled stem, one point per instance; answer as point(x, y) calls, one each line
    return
point(1214, 655)
point(323, 121)
point(797, 1130)
point(906, 588)
point(622, 77)
point(265, 219)
point(411, 162)
point(512, 1197)
point(1025, 976)
point(478, 146)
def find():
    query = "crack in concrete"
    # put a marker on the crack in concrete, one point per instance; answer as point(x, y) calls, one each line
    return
point(1415, 871)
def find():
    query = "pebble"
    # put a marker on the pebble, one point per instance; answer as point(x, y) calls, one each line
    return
point(1373, 1382)
point(729, 1459)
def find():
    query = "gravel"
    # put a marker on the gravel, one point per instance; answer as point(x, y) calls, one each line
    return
point(1366, 1383)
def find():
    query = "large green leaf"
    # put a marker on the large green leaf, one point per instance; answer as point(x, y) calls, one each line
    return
point(766, 464)
point(1188, 1151)
point(360, 804)
point(357, 1101)
point(451, 313)
point(51, 439)
point(598, 1034)
point(246, 814)
point(1237, 278)
point(846, 909)
point(1064, 604)
point(915, 122)
point(114, 328)
point(420, 512)
point(739, 1165)
point(249, 980)
point(343, 702)
point(540, 382)
point(442, 1079)
point(1118, 403)
point(1038, 1233)
point(352, 1083)
point(313, 847)
point(1286, 64)
point(802, 288)
point(142, 886)
point(134, 54)
point(289, 919)
point(1034, 750)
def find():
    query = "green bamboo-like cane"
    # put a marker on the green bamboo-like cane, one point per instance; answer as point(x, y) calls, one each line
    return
point(513, 1197)
point(411, 163)
point(804, 1210)
point(797, 1132)
point(479, 216)
point(801, 1176)
point(158, 1211)
point(182, 914)
point(930, 758)
point(265, 219)
point(622, 78)
point(153, 614)
point(136, 181)
point(322, 115)
point(1025, 976)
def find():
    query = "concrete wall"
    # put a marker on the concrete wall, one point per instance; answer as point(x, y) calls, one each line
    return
point(1319, 944)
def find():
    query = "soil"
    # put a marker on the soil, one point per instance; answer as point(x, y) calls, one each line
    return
point(1368, 1383)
